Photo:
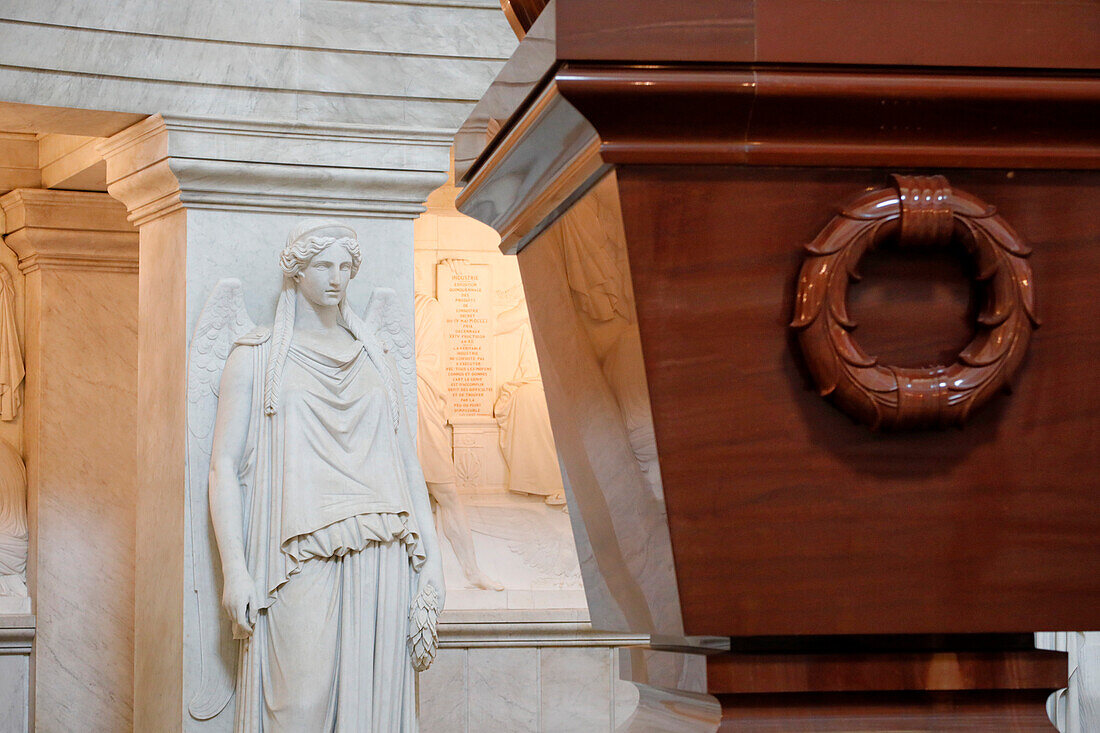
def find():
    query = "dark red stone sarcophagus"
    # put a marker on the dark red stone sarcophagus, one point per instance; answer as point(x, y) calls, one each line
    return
point(706, 200)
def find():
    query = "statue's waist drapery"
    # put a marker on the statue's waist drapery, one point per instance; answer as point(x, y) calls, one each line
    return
point(355, 533)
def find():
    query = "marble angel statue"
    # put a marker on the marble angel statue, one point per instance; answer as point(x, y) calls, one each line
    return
point(332, 578)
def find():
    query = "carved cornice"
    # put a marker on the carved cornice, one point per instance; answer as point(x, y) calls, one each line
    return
point(749, 115)
point(79, 230)
point(17, 635)
point(163, 164)
point(138, 173)
point(585, 119)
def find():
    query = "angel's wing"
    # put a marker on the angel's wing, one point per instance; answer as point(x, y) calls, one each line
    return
point(222, 321)
point(386, 321)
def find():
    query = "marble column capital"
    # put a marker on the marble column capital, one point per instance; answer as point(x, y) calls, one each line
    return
point(81, 230)
point(168, 162)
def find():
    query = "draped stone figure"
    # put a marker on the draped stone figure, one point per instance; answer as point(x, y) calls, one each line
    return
point(526, 439)
point(332, 578)
point(13, 532)
point(591, 238)
point(433, 444)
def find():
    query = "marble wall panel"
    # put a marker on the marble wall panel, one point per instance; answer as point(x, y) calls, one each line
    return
point(525, 672)
point(503, 689)
point(39, 87)
point(417, 26)
point(81, 470)
point(442, 693)
point(14, 679)
point(84, 50)
point(396, 76)
point(197, 61)
point(431, 28)
point(445, 114)
point(576, 686)
point(408, 65)
point(246, 246)
point(213, 19)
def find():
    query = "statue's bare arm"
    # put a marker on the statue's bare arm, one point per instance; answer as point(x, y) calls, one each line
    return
point(230, 434)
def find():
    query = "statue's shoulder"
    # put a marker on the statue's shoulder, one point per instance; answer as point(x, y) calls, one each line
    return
point(255, 337)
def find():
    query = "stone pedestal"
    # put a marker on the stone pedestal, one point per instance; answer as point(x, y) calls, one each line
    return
point(78, 254)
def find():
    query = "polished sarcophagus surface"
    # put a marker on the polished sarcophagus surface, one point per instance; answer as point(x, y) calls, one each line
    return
point(814, 289)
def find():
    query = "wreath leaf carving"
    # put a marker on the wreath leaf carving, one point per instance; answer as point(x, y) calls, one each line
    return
point(920, 212)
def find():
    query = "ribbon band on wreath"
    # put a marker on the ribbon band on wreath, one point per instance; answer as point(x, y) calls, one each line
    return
point(919, 211)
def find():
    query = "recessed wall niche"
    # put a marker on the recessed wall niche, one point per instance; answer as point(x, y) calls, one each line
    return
point(474, 346)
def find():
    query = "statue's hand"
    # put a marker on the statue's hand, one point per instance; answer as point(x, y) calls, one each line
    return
point(239, 602)
point(432, 574)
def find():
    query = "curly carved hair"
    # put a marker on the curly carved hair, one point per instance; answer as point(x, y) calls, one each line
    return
point(306, 240)
point(313, 236)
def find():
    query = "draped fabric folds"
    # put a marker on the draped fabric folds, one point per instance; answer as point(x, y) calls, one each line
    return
point(525, 435)
point(11, 356)
point(332, 545)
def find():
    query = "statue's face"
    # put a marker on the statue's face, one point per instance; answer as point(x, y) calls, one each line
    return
point(325, 279)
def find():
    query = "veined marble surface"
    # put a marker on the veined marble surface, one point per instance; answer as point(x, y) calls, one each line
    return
point(402, 64)
point(16, 637)
point(533, 671)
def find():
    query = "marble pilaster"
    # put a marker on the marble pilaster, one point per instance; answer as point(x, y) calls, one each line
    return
point(78, 254)
point(215, 199)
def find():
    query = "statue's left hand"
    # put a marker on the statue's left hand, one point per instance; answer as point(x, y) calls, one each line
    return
point(432, 573)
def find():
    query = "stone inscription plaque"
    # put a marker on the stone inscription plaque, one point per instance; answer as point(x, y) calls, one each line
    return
point(465, 293)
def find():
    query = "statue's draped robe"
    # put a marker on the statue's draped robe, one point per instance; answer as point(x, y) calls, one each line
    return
point(525, 436)
point(332, 545)
point(433, 444)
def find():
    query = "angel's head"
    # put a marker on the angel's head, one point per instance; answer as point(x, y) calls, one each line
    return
point(320, 257)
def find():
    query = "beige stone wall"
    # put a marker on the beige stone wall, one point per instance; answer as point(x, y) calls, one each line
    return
point(77, 265)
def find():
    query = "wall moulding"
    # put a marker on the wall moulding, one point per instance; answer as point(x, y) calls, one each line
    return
point(72, 230)
point(563, 627)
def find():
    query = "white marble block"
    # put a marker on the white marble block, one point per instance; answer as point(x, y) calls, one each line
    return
point(525, 672)
point(16, 637)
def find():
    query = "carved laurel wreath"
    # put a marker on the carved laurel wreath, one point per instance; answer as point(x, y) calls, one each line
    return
point(920, 212)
